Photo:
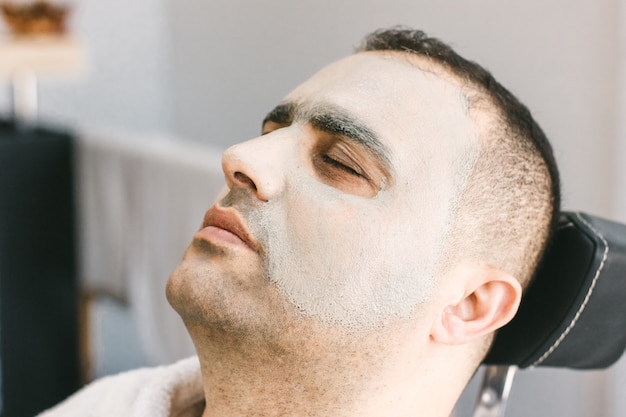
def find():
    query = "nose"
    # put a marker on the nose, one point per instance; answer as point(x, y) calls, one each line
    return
point(258, 165)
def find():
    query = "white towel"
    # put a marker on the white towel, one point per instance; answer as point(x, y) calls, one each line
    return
point(166, 391)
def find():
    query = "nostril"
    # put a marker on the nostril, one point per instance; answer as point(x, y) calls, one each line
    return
point(244, 179)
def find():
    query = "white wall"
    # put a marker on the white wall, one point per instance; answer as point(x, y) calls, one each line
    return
point(619, 202)
point(617, 381)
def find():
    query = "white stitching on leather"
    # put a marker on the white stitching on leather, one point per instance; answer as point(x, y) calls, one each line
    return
point(586, 300)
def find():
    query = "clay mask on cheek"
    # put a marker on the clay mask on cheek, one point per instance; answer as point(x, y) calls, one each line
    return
point(345, 260)
point(360, 262)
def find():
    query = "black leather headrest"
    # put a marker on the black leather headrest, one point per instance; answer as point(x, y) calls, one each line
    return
point(573, 314)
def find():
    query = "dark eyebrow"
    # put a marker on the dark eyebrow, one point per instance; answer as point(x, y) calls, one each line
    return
point(334, 120)
point(283, 114)
point(337, 121)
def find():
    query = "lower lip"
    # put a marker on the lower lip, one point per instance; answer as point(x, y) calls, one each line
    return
point(220, 236)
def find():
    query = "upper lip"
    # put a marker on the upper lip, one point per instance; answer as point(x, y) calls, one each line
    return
point(228, 219)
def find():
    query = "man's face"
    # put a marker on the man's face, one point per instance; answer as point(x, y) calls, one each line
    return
point(347, 197)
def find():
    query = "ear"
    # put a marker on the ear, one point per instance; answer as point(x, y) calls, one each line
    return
point(491, 301)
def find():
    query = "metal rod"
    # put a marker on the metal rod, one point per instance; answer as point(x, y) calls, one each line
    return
point(494, 391)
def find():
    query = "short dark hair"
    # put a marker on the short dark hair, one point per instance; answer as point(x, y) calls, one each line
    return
point(514, 190)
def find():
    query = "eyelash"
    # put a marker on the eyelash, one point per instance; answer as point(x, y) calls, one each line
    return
point(339, 165)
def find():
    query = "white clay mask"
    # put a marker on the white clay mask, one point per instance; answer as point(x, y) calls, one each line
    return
point(343, 259)
point(360, 262)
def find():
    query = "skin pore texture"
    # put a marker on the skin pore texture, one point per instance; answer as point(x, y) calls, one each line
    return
point(331, 311)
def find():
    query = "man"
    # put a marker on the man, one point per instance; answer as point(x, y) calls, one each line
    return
point(366, 247)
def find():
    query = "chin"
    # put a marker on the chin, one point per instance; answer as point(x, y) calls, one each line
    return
point(227, 297)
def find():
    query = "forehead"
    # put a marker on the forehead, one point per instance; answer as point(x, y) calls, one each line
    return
point(418, 111)
point(369, 82)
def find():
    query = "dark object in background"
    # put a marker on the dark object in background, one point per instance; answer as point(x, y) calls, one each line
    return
point(39, 348)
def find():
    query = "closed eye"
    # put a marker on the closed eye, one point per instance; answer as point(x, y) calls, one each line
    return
point(339, 165)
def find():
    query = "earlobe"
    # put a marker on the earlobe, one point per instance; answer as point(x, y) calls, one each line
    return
point(488, 305)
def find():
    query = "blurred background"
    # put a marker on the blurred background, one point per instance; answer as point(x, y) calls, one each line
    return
point(153, 91)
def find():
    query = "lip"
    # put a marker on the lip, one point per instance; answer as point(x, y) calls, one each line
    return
point(224, 226)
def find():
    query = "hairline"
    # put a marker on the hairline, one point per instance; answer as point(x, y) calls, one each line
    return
point(486, 97)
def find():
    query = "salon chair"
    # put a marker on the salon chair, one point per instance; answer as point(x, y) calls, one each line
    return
point(573, 314)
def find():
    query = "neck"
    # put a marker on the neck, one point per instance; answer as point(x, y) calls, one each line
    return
point(246, 376)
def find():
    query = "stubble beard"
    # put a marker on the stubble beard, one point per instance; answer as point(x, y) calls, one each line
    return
point(253, 340)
